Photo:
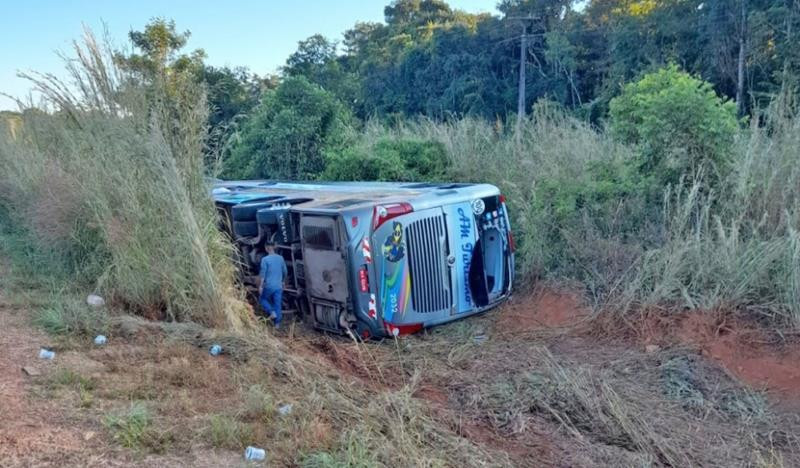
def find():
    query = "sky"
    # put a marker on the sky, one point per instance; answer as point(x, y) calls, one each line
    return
point(257, 34)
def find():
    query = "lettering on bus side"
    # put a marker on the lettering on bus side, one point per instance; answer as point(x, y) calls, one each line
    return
point(394, 306)
point(465, 224)
point(465, 227)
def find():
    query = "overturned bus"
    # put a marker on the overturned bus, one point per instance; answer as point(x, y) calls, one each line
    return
point(376, 259)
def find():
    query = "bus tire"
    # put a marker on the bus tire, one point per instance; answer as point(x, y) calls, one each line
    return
point(247, 211)
point(245, 228)
point(267, 217)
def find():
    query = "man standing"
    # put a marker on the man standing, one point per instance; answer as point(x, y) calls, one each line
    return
point(273, 273)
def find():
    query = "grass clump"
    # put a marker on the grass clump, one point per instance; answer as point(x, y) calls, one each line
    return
point(352, 453)
point(227, 432)
point(135, 429)
point(70, 378)
point(70, 316)
point(84, 386)
point(700, 388)
point(258, 404)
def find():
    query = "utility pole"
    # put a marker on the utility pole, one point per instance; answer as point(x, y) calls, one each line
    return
point(740, 74)
point(523, 56)
point(523, 52)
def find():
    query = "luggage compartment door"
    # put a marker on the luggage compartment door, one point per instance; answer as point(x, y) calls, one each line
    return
point(324, 258)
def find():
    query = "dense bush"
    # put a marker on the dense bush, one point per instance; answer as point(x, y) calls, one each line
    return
point(287, 134)
point(678, 123)
point(388, 159)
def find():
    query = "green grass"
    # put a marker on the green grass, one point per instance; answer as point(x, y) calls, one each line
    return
point(227, 432)
point(67, 378)
point(258, 404)
point(71, 316)
point(352, 452)
point(134, 428)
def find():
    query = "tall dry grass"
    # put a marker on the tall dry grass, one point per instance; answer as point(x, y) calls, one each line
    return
point(106, 174)
point(736, 246)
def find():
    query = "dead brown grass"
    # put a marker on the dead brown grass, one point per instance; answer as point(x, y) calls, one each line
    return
point(515, 397)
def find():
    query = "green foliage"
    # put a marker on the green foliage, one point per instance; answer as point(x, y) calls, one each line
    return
point(159, 45)
point(71, 316)
point(428, 58)
point(317, 61)
point(226, 432)
point(135, 429)
point(388, 160)
point(232, 93)
point(352, 452)
point(679, 123)
point(288, 133)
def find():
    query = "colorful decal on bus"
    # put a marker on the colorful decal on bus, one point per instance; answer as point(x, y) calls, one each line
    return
point(395, 290)
point(394, 249)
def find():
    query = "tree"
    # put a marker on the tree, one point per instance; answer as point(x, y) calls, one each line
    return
point(678, 122)
point(316, 60)
point(311, 54)
point(232, 93)
point(158, 62)
point(288, 133)
point(158, 51)
point(417, 12)
point(388, 159)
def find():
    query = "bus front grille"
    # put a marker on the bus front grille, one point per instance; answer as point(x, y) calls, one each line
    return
point(430, 279)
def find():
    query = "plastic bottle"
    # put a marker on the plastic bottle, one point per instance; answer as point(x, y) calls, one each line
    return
point(215, 350)
point(46, 354)
point(100, 340)
point(254, 453)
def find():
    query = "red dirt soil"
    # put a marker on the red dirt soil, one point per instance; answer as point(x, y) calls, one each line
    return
point(546, 308)
point(745, 350)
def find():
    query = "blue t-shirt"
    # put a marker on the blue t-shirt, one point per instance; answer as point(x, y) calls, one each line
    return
point(273, 271)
